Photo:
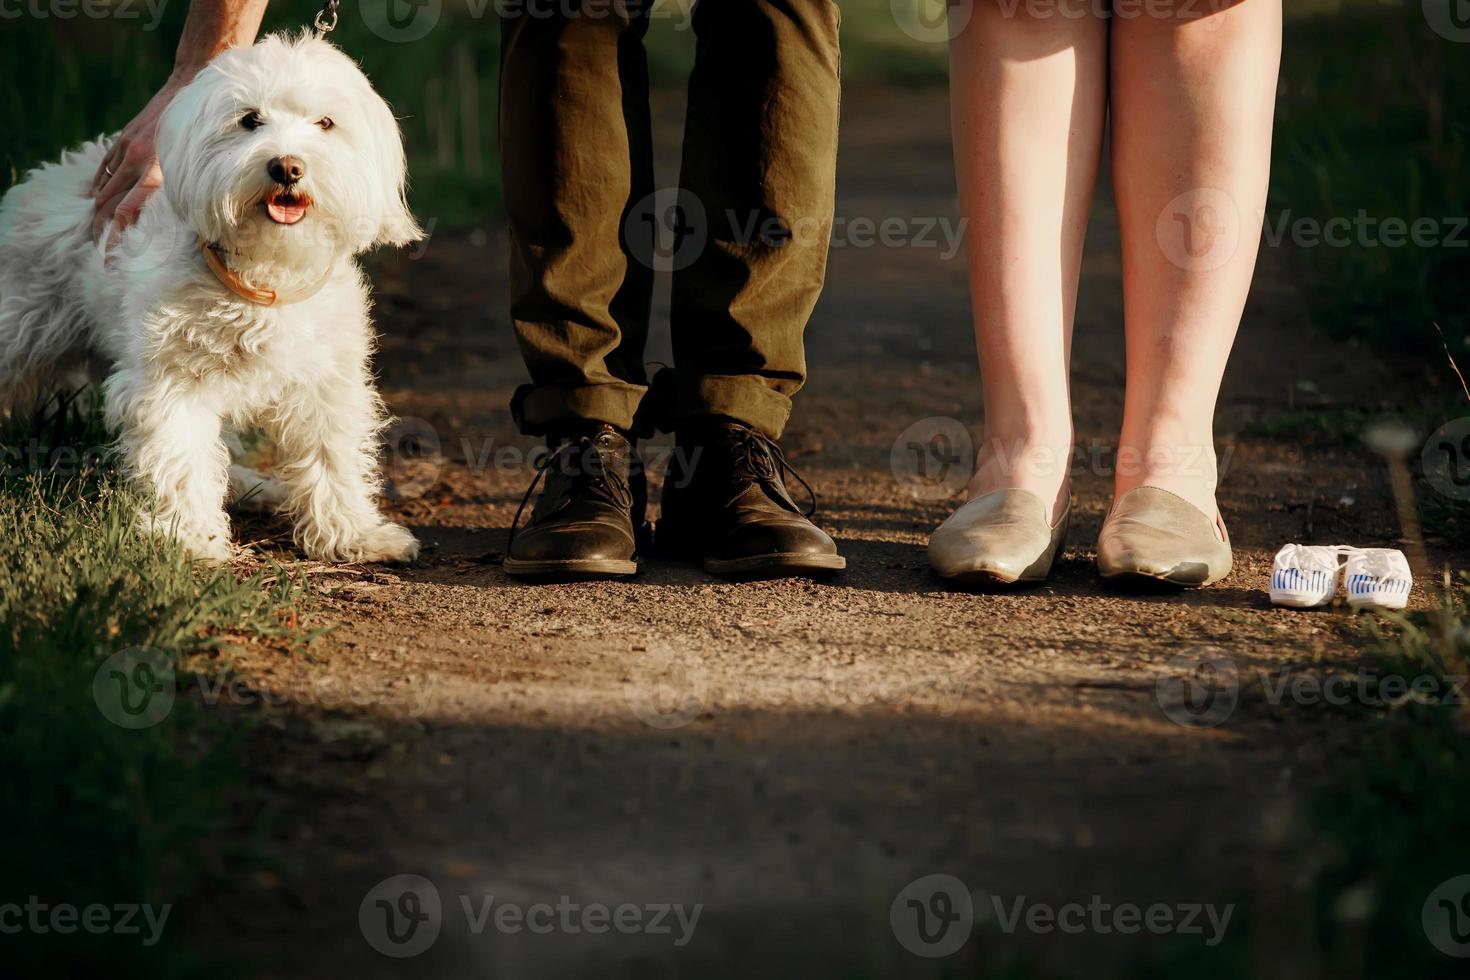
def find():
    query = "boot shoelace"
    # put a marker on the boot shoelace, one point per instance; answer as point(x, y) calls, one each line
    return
point(601, 482)
point(755, 455)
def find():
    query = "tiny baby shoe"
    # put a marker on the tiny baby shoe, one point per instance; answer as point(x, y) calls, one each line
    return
point(1378, 578)
point(1304, 576)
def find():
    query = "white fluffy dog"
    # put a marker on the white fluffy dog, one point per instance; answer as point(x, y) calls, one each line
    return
point(234, 301)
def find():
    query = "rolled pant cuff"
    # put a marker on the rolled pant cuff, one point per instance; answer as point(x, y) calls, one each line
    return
point(538, 408)
point(743, 397)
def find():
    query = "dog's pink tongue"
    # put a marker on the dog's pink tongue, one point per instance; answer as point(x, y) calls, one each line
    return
point(285, 211)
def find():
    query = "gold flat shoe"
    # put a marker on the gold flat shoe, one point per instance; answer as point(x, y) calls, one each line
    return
point(1152, 534)
point(999, 538)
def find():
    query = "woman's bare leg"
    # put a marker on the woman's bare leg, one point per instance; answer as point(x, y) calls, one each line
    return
point(1027, 97)
point(1192, 106)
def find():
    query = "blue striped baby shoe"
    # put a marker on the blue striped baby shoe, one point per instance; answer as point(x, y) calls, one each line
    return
point(1378, 578)
point(1305, 576)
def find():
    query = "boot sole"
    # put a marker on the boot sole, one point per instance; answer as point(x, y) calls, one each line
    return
point(776, 565)
point(575, 568)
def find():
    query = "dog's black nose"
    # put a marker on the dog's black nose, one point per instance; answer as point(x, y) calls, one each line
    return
point(286, 170)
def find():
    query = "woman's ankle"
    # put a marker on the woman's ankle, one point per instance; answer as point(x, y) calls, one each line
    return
point(1190, 471)
point(1039, 465)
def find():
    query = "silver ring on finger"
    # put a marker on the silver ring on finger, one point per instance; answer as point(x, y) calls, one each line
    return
point(109, 171)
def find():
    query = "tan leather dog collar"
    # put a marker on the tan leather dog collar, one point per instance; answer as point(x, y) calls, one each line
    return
point(262, 297)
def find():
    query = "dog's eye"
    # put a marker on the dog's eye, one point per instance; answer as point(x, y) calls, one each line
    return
point(251, 120)
point(325, 122)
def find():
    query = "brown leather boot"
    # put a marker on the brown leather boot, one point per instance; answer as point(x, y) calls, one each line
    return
point(589, 519)
point(725, 504)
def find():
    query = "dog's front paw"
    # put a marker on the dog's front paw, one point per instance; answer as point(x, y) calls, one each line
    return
point(383, 542)
point(214, 553)
point(389, 542)
point(210, 546)
point(213, 550)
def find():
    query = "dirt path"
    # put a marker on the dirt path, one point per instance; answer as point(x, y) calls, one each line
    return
point(790, 755)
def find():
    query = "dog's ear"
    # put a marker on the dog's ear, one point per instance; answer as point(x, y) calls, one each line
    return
point(399, 227)
point(189, 172)
point(396, 225)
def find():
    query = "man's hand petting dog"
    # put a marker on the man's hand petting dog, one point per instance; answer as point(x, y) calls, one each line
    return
point(129, 174)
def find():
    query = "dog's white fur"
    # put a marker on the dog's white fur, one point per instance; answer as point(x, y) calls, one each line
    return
point(186, 359)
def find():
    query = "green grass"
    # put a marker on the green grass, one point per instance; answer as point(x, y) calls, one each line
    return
point(1395, 823)
point(1369, 121)
point(1331, 424)
point(65, 81)
point(94, 812)
point(1387, 827)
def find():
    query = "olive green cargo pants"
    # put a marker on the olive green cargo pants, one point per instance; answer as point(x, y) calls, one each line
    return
point(745, 236)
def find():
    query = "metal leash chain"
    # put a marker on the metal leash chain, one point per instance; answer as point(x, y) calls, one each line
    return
point(326, 18)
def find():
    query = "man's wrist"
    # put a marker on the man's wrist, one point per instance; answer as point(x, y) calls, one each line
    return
point(211, 27)
point(190, 63)
point(184, 72)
